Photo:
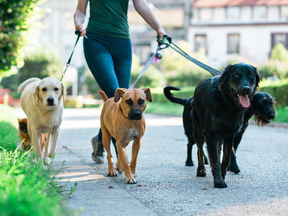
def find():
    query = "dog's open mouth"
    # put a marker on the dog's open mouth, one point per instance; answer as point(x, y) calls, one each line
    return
point(244, 99)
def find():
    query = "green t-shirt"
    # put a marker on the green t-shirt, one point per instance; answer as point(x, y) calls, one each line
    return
point(109, 18)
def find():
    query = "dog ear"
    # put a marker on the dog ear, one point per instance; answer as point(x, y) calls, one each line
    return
point(224, 76)
point(148, 94)
point(118, 94)
point(257, 76)
point(63, 92)
point(36, 95)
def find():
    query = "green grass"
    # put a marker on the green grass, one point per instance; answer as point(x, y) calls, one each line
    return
point(177, 109)
point(26, 187)
point(281, 114)
point(164, 108)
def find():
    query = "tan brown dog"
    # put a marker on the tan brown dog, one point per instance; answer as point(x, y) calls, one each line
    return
point(122, 118)
point(25, 138)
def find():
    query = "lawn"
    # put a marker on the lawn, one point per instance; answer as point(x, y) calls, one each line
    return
point(26, 187)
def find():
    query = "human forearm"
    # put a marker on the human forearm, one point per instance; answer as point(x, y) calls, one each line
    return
point(79, 16)
point(146, 13)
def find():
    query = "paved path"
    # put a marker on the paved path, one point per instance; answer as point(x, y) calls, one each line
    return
point(164, 185)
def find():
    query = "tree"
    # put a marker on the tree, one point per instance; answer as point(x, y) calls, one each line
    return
point(13, 22)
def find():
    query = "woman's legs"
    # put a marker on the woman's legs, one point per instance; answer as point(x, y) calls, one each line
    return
point(109, 60)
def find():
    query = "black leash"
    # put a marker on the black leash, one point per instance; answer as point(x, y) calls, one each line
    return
point(69, 60)
point(167, 40)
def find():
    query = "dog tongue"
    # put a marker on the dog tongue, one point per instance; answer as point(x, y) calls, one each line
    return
point(244, 100)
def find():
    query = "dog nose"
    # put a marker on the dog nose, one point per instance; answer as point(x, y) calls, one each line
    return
point(50, 101)
point(136, 113)
point(271, 115)
point(246, 89)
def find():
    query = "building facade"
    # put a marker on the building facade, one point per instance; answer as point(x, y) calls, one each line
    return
point(248, 28)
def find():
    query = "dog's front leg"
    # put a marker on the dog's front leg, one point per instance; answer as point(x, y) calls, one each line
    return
point(227, 151)
point(122, 156)
point(46, 159)
point(212, 147)
point(135, 149)
point(54, 138)
point(35, 140)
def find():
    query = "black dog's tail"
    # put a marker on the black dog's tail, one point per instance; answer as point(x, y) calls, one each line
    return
point(171, 97)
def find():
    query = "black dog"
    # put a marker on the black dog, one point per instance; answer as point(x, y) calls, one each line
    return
point(219, 106)
point(187, 119)
point(261, 106)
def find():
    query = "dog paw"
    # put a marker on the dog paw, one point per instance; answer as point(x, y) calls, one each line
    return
point(234, 169)
point(201, 173)
point(47, 161)
point(189, 163)
point(131, 180)
point(111, 173)
point(220, 184)
point(119, 167)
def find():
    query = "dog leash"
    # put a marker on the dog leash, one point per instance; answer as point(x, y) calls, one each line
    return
point(167, 40)
point(69, 60)
point(154, 56)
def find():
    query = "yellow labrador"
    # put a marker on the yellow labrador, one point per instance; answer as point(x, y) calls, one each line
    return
point(41, 100)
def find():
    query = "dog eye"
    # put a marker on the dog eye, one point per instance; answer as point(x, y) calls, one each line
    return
point(129, 102)
point(141, 101)
point(236, 76)
point(44, 89)
point(56, 89)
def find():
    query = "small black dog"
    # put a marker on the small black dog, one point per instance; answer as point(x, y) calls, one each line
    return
point(219, 106)
point(261, 107)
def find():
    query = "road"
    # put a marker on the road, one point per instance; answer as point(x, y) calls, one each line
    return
point(165, 186)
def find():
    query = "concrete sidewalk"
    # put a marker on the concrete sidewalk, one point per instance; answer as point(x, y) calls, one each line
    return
point(95, 193)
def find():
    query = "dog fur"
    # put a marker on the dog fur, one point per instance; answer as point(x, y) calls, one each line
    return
point(219, 106)
point(261, 107)
point(25, 138)
point(42, 102)
point(122, 118)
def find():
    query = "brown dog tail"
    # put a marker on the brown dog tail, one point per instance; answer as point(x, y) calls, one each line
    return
point(103, 95)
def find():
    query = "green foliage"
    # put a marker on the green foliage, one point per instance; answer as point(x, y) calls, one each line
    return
point(181, 72)
point(26, 187)
point(280, 53)
point(281, 114)
point(274, 68)
point(40, 63)
point(151, 78)
point(159, 97)
point(13, 21)
point(92, 86)
point(278, 90)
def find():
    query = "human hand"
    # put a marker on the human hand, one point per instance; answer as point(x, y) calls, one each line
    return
point(161, 33)
point(80, 28)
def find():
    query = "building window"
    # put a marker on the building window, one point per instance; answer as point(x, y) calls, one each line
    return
point(284, 12)
point(279, 38)
point(205, 13)
point(259, 12)
point(233, 43)
point(200, 42)
point(233, 13)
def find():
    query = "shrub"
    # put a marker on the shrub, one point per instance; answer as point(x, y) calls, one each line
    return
point(151, 78)
point(280, 53)
point(181, 72)
point(13, 22)
point(278, 90)
point(40, 63)
point(274, 68)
